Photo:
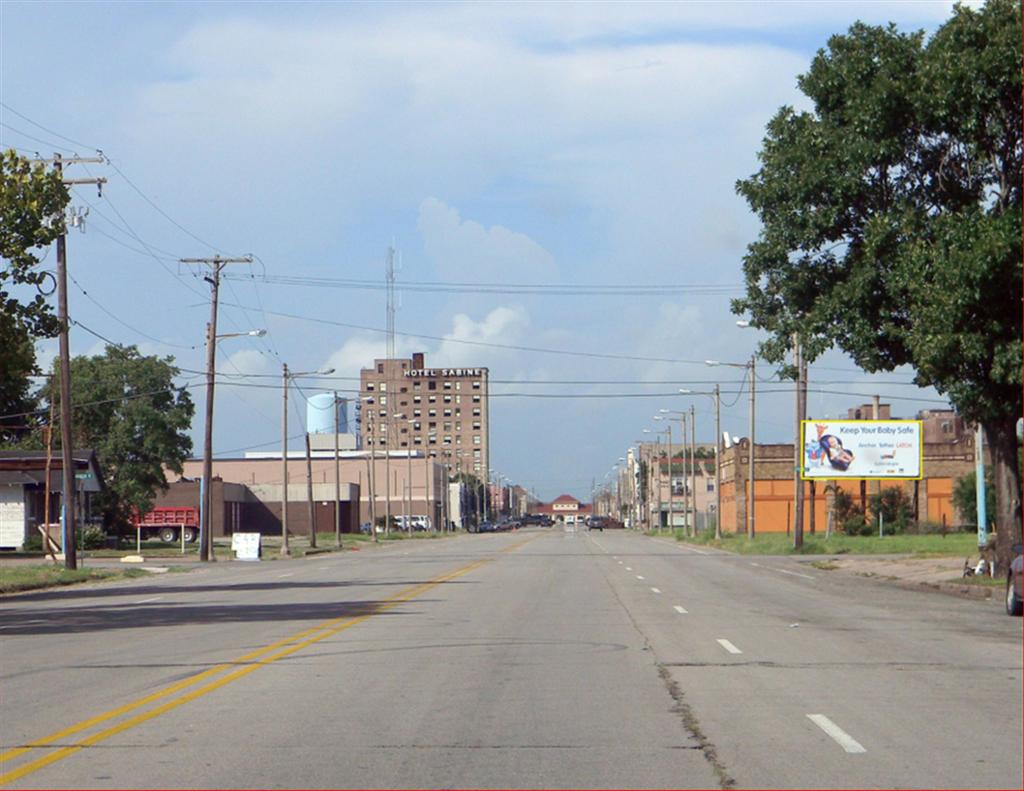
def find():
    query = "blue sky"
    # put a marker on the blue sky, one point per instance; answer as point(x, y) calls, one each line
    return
point(558, 143)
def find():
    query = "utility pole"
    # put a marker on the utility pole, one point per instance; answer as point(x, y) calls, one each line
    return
point(216, 264)
point(693, 467)
point(66, 441)
point(750, 458)
point(337, 477)
point(798, 448)
point(309, 494)
point(718, 462)
point(284, 462)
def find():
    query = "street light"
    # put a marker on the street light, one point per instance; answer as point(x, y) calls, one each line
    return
point(716, 396)
point(286, 377)
point(750, 459)
point(206, 496)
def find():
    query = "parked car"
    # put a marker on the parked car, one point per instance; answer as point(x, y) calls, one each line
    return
point(485, 527)
point(596, 523)
point(1014, 589)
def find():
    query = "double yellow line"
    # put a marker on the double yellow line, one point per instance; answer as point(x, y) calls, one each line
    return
point(250, 662)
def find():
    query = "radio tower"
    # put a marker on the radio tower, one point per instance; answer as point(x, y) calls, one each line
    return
point(391, 302)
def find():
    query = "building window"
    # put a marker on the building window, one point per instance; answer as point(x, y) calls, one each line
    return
point(458, 439)
point(416, 385)
point(369, 400)
point(383, 386)
point(476, 454)
point(458, 385)
point(476, 425)
point(417, 441)
point(476, 439)
point(431, 385)
point(447, 440)
point(432, 412)
point(476, 399)
point(447, 385)
point(416, 399)
point(383, 413)
point(369, 386)
point(457, 411)
point(476, 413)
point(476, 385)
point(447, 413)
point(380, 368)
point(432, 424)
point(416, 413)
point(447, 399)
point(432, 399)
point(458, 399)
point(458, 427)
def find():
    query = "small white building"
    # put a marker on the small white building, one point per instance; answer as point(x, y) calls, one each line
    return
point(23, 491)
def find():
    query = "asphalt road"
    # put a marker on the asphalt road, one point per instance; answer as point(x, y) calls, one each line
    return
point(534, 659)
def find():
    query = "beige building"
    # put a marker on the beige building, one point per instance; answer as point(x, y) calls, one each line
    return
point(442, 412)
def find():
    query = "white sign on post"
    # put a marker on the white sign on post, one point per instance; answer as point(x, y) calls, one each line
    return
point(246, 546)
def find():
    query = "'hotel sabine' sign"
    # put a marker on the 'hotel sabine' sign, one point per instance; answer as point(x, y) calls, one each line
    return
point(417, 373)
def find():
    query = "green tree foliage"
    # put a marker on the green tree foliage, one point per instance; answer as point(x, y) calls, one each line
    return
point(18, 363)
point(965, 497)
point(32, 201)
point(891, 218)
point(129, 411)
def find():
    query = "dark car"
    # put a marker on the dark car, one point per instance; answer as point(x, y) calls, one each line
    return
point(1014, 589)
point(596, 523)
point(485, 527)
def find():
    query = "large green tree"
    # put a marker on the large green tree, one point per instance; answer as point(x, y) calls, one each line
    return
point(128, 409)
point(891, 219)
point(32, 201)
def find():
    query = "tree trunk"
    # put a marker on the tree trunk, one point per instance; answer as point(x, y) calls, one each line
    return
point(1002, 441)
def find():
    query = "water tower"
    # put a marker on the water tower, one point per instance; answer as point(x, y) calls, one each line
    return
point(320, 414)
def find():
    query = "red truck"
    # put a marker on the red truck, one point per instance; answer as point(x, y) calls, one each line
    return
point(167, 524)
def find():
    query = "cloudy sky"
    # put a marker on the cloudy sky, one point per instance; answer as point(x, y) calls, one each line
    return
point(567, 145)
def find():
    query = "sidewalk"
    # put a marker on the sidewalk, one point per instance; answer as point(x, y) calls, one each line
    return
point(943, 574)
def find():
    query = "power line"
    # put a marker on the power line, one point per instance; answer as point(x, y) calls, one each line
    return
point(537, 289)
point(539, 350)
point(48, 131)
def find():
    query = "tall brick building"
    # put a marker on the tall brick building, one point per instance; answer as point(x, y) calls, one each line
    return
point(443, 412)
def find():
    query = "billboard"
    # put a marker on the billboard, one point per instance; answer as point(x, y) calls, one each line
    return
point(888, 449)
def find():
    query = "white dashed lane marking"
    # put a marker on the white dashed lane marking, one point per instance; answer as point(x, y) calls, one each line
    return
point(729, 646)
point(147, 601)
point(679, 609)
point(845, 740)
point(655, 590)
point(282, 576)
point(639, 577)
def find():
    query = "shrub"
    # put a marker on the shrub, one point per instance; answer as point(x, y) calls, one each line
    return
point(893, 506)
point(34, 542)
point(93, 537)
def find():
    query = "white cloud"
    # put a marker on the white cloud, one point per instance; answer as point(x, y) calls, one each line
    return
point(464, 248)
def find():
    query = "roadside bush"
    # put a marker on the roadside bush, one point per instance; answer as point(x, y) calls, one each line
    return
point(893, 506)
point(93, 537)
point(849, 516)
point(34, 542)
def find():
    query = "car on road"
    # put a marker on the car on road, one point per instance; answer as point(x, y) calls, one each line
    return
point(596, 523)
point(1014, 589)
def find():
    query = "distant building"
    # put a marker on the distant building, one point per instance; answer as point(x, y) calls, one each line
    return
point(566, 508)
